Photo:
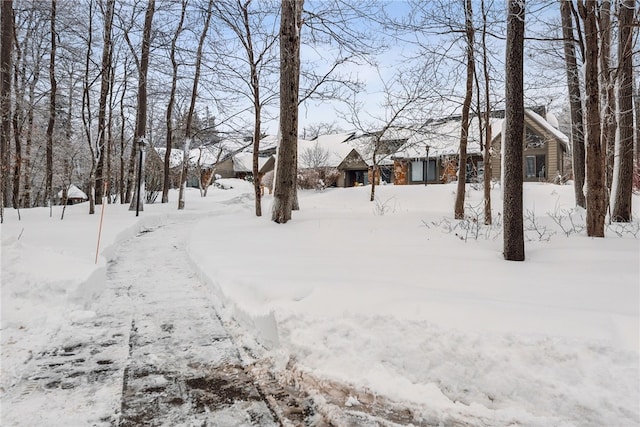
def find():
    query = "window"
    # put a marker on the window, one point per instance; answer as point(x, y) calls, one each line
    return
point(530, 168)
point(535, 167)
point(431, 170)
point(417, 171)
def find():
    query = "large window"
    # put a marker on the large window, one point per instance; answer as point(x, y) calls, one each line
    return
point(418, 170)
point(535, 167)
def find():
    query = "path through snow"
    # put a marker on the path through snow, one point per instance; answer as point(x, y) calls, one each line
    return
point(151, 349)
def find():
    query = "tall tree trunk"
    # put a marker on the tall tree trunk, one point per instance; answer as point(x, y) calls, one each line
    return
point(374, 167)
point(596, 203)
point(110, 140)
point(52, 106)
point(87, 118)
point(624, 159)
point(122, 186)
point(575, 103)
point(25, 198)
point(257, 108)
point(105, 84)
point(513, 134)
point(6, 46)
point(607, 93)
point(19, 88)
point(285, 177)
point(257, 185)
point(466, 106)
point(166, 181)
point(192, 106)
point(487, 123)
point(636, 105)
point(140, 135)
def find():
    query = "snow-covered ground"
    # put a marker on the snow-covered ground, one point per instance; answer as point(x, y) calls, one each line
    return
point(391, 299)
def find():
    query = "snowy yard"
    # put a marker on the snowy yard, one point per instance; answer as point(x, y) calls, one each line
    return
point(391, 299)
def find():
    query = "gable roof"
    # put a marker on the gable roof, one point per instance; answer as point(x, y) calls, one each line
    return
point(74, 192)
point(443, 136)
point(337, 147)
point(547, 127)
point(243, 162)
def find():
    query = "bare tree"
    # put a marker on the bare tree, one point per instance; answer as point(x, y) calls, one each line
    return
point(87, 114)
point(575, 102)
point(52, 106)
point(466, 107)
point(596, 203)
point(29, 52)
point(194, 94)
point(624, 160)
point(285, 177)
point(6, 46)
point(314, 157)
point(312, 131)
point(257, 43)
point(105, 86)
point(170, 105)
point(607, 92)
point(487, 122)
point(407, 95)
point(140, 134)
point(514, 130)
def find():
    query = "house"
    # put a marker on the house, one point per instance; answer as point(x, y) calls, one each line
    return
point(332, 152)
point(240, 165)
point(74, 195)
point(384, 145)
point(351, 156)
point(545, 150)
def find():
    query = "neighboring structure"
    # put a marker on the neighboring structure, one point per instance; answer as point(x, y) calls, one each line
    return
point(240, 165)
point(351, 156)
point(545, 151)
point(74, 195)
point(428, 155)
point(332, 152)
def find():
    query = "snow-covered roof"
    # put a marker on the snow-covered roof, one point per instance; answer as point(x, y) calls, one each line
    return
point(337, 147)
point(443, 136)
point(74, 192)
point(548, 127)
point(243, 162)
point(269, 142)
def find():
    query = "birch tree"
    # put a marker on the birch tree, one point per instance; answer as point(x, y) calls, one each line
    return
point(513, 237)
point(607, 92)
